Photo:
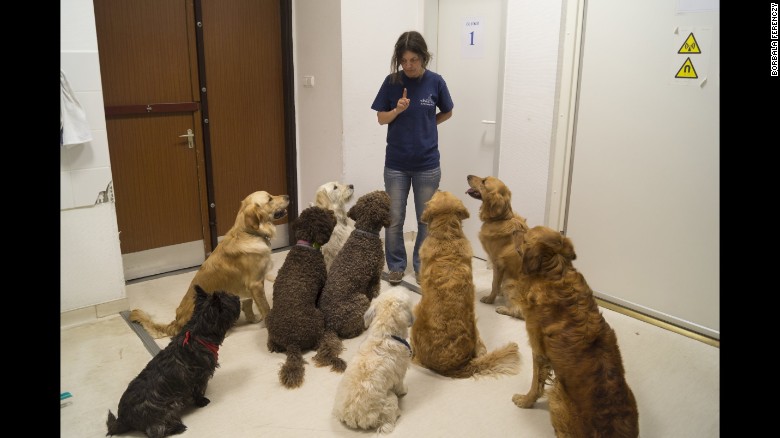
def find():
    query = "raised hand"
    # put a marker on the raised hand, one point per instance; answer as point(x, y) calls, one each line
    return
point(403, 103)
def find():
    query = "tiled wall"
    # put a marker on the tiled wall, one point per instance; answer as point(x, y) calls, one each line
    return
point(91, 272)
point(85, 169)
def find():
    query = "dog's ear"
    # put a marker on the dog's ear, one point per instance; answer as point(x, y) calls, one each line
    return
point(323, 225)
point(426, 216)
point(199, 290)
point(499, 203)
point(252, 215)
point(370, 314)
point(567, 249)
point(354, 211)
point(461, 211)
point(427, 213)
point(200, 296)
point(322, 200)
point(550, 256)
point(531, 260)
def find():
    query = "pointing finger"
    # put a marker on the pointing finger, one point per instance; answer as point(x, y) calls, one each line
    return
point(404, 96)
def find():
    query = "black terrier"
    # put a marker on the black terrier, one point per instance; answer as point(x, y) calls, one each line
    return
point(178, 375)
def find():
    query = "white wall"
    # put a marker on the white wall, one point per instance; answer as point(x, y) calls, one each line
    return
point(90, 257)
point(85, 169)
point(369, 31)
point(319, 125)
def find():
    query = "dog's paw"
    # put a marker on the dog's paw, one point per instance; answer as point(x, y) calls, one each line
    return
point(488, 299)
point(386, 427)
point(338, 365)
point(271, 276)
point(522, 401)
point(514, 313)
point(202, 401)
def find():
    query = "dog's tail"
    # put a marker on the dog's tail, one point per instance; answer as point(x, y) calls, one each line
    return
point(501, 361)
point(292, 371)
point(154, 329)
point(115, 427)
point(328, 352)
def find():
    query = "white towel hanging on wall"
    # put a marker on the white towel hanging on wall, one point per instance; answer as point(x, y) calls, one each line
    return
point(74, 128)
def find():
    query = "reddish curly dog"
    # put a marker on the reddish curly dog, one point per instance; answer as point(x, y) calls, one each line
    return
point(571, 340)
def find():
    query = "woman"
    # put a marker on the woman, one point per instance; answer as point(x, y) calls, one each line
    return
point(406, 103)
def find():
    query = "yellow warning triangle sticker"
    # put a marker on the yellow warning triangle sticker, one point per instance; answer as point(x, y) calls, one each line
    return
point(687, 71)
point(690, 45)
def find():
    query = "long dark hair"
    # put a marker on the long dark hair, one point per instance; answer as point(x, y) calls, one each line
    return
point(411, 41)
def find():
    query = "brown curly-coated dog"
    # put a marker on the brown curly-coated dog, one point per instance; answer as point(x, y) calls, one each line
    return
point(238, 265)
point(354, 278)
point(295, 324)
point(444, 335)
point(571, 340)
point(501, 235)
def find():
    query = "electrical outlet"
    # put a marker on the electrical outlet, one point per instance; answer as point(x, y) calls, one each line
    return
point(308, 81)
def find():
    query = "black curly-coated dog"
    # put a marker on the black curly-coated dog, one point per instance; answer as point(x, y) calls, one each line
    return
point(295, 324)
point(177, 376)
point(354, 278)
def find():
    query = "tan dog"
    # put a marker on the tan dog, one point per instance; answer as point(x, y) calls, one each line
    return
point(367, 396)
point(238, 265)
point(571, 340)
point(501, 235)
point(444, 336)
point(334, 196)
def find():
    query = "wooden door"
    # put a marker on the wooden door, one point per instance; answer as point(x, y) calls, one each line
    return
point(149, 76)
point(220, 68)
point(242, 47)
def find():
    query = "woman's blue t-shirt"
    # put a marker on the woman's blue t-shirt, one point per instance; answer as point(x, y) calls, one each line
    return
point(412, 138)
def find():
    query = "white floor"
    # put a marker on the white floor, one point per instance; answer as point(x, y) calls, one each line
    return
point(675, 379)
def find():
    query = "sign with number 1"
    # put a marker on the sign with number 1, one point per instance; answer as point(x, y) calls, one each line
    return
point(472, 44)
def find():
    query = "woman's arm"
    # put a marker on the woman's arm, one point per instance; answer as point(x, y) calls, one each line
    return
point(385, 117)
point(442, 117)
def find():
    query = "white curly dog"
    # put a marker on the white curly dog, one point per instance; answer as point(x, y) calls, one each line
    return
point(334, 196)
point(367, 396)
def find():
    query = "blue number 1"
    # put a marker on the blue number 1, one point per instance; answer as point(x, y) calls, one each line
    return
point(472, 38)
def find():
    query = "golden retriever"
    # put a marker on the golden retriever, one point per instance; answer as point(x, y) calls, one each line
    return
point(444, 334)
point(501, 235)
point(238, 264)
point(571, 341)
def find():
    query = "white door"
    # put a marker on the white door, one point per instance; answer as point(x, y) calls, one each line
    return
point(468, 56)
point(644, 201)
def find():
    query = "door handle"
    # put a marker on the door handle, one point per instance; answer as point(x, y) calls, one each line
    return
point(489, 122)
point(190, 135)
